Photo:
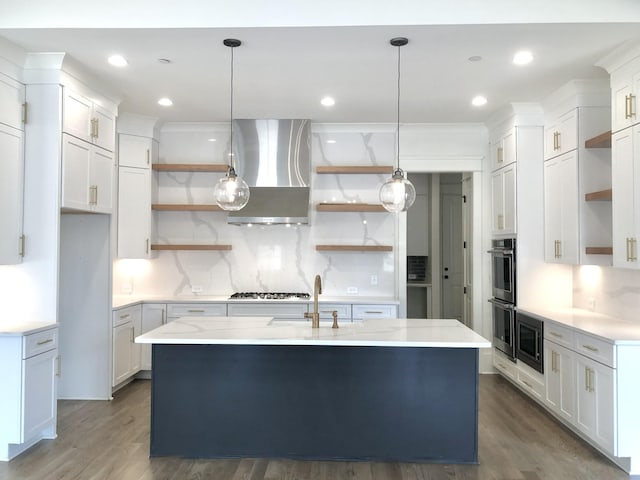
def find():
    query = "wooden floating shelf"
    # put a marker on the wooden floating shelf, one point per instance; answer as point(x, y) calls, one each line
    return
point(601, 141)
point(602, 195)
point(191, 247)
point(376, 169)
point(354, 248)
point(599, 250)
point(177, 207)
point(190, 167)
point(349, 207)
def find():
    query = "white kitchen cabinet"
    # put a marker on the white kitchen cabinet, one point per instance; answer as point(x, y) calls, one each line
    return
point(11, 194)
point(561, 134)
point(365, 311)
point(503, 150)
point(561, 209)
point(503, 205)
point(560, 377)
point(625, 181)
point(87, 120)
point(177, 310)
point(11, 102)
point(154, 315)
point(28, 405)
point(277, 310)
point(134, 212)
point(136, 151)
point(87, 176)
point(625, 88)
point(595, 409)
point(127, 325)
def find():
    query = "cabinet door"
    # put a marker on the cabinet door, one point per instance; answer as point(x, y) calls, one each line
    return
point(11, 100)
point(509, 147)
point(136, 348)
point(568, 132)
point(101, 170)
point(559, 368)
point(595, 411)
point(551, 210)
point(76, 115)
point(123, 336)
point(104, 130)
point(497, 203)
point(135, 151)
point(134, 212)
point(561, 209)
point(11, 194)
point(153, 316)
point(75, 173)
point(624, 204)
point(623, 103)
point(509, 183)
point(39, 395)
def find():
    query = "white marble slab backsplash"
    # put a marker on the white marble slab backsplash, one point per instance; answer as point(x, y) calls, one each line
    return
point(275, 257)
point(608, 290)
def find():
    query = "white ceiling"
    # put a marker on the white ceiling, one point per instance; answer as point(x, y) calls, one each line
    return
point(282, 72)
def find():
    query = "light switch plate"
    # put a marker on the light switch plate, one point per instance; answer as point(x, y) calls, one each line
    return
point(352, 290)
point(196, 288)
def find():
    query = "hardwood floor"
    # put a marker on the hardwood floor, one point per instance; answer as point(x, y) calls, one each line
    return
point(100, 440)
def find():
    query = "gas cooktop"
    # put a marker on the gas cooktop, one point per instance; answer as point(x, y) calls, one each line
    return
point(270, 296)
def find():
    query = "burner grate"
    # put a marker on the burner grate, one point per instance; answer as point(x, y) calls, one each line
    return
point(271, 295)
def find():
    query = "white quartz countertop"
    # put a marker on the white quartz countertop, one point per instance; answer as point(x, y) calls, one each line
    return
point(24, 327)
point(609, 329)
point(264, 331)
point(121, 301)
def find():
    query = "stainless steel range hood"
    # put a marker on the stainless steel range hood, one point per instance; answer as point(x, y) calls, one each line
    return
point(274, 158)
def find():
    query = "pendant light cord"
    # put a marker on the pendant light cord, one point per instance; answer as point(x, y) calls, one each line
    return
point(398, 116)
point(231, 115)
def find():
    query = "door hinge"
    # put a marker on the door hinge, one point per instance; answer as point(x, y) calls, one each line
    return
point(24, 113)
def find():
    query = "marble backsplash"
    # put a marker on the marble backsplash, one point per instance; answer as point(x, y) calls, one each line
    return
point(607, 290)
point(268, 257)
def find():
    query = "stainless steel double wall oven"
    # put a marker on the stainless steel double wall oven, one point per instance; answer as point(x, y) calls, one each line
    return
point(503, 266)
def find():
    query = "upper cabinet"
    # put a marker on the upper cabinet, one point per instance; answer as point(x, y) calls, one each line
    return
point(11, 171)
point(561, 134)
point(625, 88)
point(87, 121)
point(503, 201)
point(503, 150)
point(577, 177)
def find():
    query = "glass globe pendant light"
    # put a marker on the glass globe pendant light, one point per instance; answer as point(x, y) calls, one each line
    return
point(231, 192)
point(397, 194)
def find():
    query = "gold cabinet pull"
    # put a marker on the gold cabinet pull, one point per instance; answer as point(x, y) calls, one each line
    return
point(147, 247)
point(148, 156)
point(500, 155)
point(633, 249)
point(590, 348)
point(93, 195)
point(21, 245)
point(125, 315)
point(629, 102)
point(527, 384)
point(500, 222)
point(194, 310)
point(58, 366)
point(556, 334)
point(586, 379)
point(44, 342)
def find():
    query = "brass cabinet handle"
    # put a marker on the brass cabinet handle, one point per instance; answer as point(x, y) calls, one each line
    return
point(93, 195)
point(555, 334)
point(500, 155)
point(147, 247)
point(629, 101)
point(21, 245)
point(586, 379)
point(590, 347)
point(195, 311)
point(371, 311)
point(148, 156)
point(500, 222)
point(554, 367)
point(44, 342)
point(527, 384)
point(633, 249)
point(58, 366)
point(125, 315)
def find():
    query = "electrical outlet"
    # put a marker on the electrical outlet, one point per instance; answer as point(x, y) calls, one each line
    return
point(352, 290)
point(374, 279)
point(196, 288)
point(126, 288)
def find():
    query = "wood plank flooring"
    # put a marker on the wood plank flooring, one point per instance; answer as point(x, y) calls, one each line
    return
point(100, 440)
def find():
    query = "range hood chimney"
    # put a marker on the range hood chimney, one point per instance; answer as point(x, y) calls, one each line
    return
point(274, 158)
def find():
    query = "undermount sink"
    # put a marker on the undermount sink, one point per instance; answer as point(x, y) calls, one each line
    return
point(303, 322)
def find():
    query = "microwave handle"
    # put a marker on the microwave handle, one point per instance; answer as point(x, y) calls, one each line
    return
point(499, 251)
point(498, 303)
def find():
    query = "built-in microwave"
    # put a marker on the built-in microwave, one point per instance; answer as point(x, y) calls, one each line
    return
point(503, 327)
point(529, 341)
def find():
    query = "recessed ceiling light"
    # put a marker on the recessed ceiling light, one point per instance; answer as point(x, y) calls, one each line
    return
point(118, 61)
point(165, 102)
point(475, 58)
point(328, 102)
point(479, 101)
point(522, 58)
point(331, 141)
point(211, 140)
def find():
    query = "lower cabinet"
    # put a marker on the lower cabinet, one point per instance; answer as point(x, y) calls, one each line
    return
point(365, 311)
point(154, 315)
point(127, 325)
point(560, 380)
point(595, 409)
point(28, 404)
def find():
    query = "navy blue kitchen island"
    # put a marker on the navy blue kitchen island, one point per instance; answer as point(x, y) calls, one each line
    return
point(402, 390)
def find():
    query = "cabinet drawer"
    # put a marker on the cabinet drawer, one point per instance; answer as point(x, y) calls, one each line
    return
point(326, 310)
point(197, 310)
point(505, 366)
point(362, 312)
point(127, 314)
point(595, 349)
point(37, 343)
point(532, 385)
point(558, 334)
point(293, 311)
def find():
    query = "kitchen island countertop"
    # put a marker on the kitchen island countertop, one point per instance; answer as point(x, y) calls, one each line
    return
point(263, 331)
